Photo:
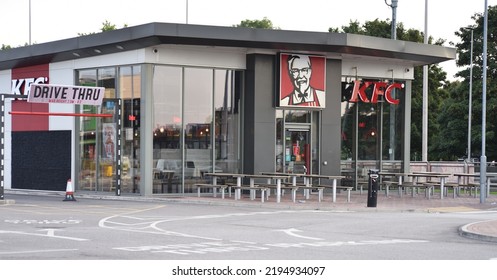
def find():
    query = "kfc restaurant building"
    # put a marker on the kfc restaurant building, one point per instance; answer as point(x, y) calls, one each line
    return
point(182, 100)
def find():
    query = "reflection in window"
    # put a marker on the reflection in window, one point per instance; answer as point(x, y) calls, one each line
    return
point(371, 131)
point(87, 135)
point(202, 138)
point(198, 110)
point(227, 86)
point(167, 122)
point(98, 164)
point(107, 79)
point(294, 116)
point(130, 92)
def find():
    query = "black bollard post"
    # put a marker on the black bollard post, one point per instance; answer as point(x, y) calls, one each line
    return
point(373, 187)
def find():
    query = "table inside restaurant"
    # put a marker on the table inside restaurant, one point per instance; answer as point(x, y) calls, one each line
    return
point(162, 175)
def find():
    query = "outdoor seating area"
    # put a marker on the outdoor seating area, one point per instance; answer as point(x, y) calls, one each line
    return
point(298, 187)
point(275, 186)
point(434, 183)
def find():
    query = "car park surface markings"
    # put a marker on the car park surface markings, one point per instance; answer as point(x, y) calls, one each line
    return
point(202, 248)
point(49, 233)
point(37, 251)
point(216, 245)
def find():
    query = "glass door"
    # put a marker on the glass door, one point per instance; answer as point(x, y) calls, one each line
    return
point(297, 150)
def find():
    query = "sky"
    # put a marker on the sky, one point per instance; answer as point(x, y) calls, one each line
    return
point(53, 20)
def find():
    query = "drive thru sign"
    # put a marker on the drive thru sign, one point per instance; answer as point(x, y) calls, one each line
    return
point(78, 95)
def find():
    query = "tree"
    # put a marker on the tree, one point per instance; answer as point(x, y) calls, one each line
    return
point(265, 23)
point(457, 102)
point(106, 26)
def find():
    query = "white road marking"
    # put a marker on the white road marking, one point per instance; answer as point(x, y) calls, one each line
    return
point(37, 251)
point(203, 248)
point(50, 233)
point(145, 226)
point(293, 232)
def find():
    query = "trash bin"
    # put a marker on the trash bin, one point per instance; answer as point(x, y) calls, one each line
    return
point(373, 178)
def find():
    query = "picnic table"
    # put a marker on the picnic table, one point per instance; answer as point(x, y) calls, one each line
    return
point(334, 178)
point(428, 184)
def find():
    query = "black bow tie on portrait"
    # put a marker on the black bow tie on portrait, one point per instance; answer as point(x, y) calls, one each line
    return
point(302, 95)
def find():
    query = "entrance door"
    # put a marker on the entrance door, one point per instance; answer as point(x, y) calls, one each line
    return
point(297, 151)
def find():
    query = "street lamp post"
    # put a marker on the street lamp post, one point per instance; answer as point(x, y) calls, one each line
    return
point(470, 96)
point(393, 4)
point(483, 158)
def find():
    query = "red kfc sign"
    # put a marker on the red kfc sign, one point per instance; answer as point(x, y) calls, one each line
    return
point(22, 78)
point(377, 89)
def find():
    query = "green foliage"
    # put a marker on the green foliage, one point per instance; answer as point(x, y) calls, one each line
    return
point(448, 101)
point(106, 26)
point(265, 23)
point(459, 95)
point(436, 81)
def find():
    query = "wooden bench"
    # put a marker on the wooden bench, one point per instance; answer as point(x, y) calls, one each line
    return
point(214, 188)
point(238, 191)
point(345, 188)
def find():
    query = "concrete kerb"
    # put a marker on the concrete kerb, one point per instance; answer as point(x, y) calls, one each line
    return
point(305, 205)
point(469, 232)
point(7, 201)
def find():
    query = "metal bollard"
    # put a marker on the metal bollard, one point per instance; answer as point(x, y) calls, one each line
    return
point(373, 187)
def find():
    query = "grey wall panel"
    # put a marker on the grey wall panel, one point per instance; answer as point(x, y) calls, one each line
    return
point(259, 124)
point(331, 120)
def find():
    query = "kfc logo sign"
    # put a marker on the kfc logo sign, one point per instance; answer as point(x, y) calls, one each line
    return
point(364, 88)
point(22, 86)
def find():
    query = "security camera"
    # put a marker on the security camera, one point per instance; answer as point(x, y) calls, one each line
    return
point(155, 50)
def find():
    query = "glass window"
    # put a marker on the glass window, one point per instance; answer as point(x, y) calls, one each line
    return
point(98, 135)
point(279, 141)
point(371, 131)
point(88, 129)
point(130, 92)
point(294, 116)
point(107, 79)
point(167, 122)
point(227, 84)
point(198, 120)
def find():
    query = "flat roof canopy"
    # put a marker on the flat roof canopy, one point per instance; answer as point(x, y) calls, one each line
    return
point(151, 34)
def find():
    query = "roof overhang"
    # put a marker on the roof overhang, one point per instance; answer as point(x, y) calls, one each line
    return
point(152, 34)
